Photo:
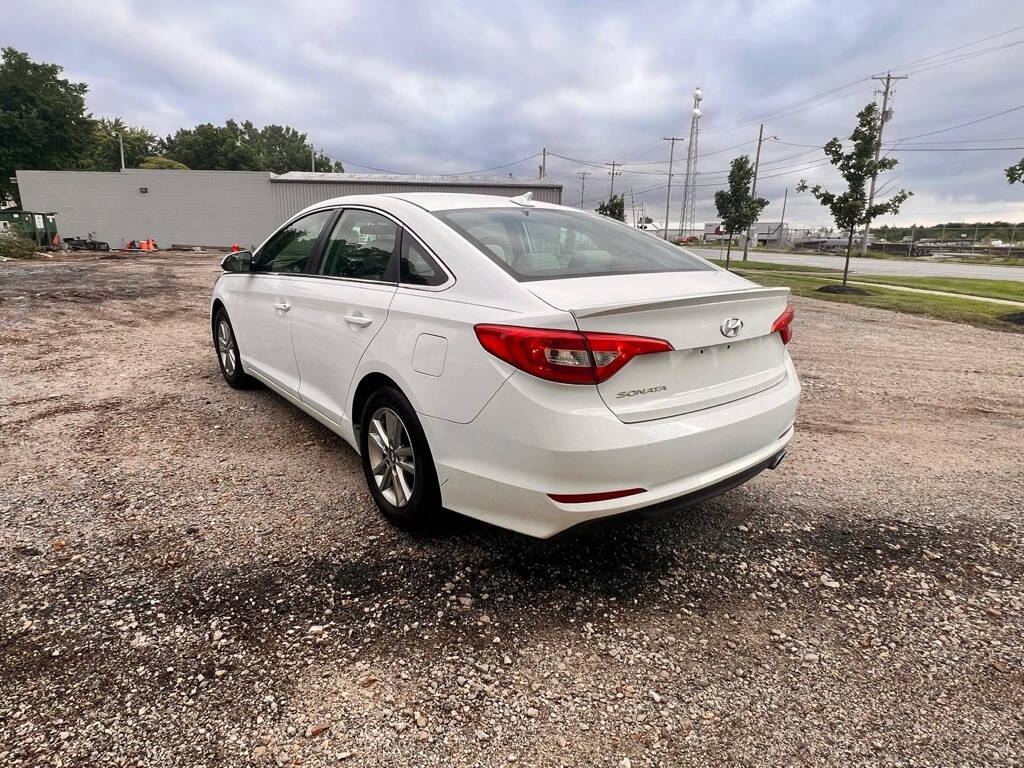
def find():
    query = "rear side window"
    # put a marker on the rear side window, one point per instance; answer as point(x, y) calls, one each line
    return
point(417, 266)
point(291, 248)
point(360, 246)
point(546, 244)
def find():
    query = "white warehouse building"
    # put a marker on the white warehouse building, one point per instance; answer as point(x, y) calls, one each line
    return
point(219, 208)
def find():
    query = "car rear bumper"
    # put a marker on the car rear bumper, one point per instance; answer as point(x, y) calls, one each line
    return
point(535, 438)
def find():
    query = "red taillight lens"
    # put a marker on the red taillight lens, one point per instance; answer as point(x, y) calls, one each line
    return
point(569, 357)
point(783, 323)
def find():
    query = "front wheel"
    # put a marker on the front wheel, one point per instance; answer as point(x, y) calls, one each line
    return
point(227, 352)
point(396, 460)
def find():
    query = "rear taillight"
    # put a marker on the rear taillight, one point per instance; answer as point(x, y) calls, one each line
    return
point(783, 324)
point(569, 357)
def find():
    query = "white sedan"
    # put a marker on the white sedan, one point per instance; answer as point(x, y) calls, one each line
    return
point(527, 364)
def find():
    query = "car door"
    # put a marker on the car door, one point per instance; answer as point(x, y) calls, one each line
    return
point(262, 302)
point(342, 306)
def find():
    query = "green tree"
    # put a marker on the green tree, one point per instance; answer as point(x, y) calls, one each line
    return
point(737, 208)
point(234, 147)
point(281, 148)
point(850, 209)
point(615, 207)
point(162, 164)
point(1015, 173)
point(104, 150)
point(43, 123)
point(209, 147)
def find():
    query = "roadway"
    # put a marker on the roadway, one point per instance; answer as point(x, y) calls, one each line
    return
point(878, 266)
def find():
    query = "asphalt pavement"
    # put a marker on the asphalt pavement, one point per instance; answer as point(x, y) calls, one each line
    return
point(881, 266)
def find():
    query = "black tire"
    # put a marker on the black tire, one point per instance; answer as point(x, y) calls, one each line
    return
point(229, 360)
point(423, 497)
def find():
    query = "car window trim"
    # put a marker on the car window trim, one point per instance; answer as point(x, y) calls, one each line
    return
point(314, 265)
point(413, 240)
point(403, 230)
point(392, 266)
point(314, 254)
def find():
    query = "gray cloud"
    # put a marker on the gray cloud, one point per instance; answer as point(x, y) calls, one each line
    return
point(448, 87)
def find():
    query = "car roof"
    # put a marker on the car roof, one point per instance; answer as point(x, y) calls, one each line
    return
point(446, 201)
point(434, 201)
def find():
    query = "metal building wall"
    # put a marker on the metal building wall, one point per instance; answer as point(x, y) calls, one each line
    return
point(214, 208)
point(185, 207)
point(293, 196)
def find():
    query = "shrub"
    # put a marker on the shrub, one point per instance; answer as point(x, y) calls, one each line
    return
point(16, 247)
point(162, 163)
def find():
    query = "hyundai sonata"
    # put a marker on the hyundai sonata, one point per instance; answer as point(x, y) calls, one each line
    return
point(527, 364)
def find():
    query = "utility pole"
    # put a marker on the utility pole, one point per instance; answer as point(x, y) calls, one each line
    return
point(543, 162)
point(120, 142)
point(583, 184)
point(782, 224)
point(632, 205)
point(312, 158)
point(883, 119)
point(974, 241)
point(613, 173)
point(753, 184)
point(668, 192)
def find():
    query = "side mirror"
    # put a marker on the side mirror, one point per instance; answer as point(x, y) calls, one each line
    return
point(237, 261)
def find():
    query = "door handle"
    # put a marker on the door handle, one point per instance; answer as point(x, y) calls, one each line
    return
point(283, 306)
point(359, 320)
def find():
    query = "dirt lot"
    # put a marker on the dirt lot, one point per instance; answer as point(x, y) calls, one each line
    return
point(191, 575)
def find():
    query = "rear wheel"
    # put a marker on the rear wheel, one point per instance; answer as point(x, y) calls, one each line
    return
point(396, 460)
point(227, 352)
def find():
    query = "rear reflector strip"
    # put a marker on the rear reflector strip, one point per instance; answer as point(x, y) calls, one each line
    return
point(583, 498)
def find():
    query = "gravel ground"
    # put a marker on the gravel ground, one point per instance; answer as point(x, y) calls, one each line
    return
point(191, 575)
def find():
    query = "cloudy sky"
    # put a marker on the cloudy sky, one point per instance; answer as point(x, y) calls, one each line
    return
point(446, 87)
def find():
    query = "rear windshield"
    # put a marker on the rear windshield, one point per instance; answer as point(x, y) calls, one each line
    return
point(544, 244)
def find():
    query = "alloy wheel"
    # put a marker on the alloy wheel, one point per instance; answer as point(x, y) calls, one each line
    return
point(226, 347)
point(392, 461)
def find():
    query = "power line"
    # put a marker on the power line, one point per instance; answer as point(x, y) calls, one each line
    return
point(494, 167)
point(701, 155)
point(964, 125)
point(405, 173)
point(963, 57)
point(953, 149)
point(958, 48)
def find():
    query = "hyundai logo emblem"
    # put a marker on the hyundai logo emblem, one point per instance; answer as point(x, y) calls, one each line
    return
point(731, 328)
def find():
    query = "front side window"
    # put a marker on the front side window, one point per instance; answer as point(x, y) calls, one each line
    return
point(360, 246)
point(417, 267)
point(291, 248)
point(546, 244)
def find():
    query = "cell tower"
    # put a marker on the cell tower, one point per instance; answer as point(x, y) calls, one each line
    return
point(687, 212)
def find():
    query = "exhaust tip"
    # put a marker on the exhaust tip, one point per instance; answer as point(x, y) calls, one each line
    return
point(777, 459)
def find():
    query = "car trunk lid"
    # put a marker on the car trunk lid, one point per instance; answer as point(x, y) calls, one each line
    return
point(718, 324)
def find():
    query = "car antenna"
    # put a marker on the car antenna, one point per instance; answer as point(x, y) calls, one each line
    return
point(525, 199)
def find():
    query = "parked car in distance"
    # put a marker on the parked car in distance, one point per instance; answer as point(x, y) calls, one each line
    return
point(527, 364)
